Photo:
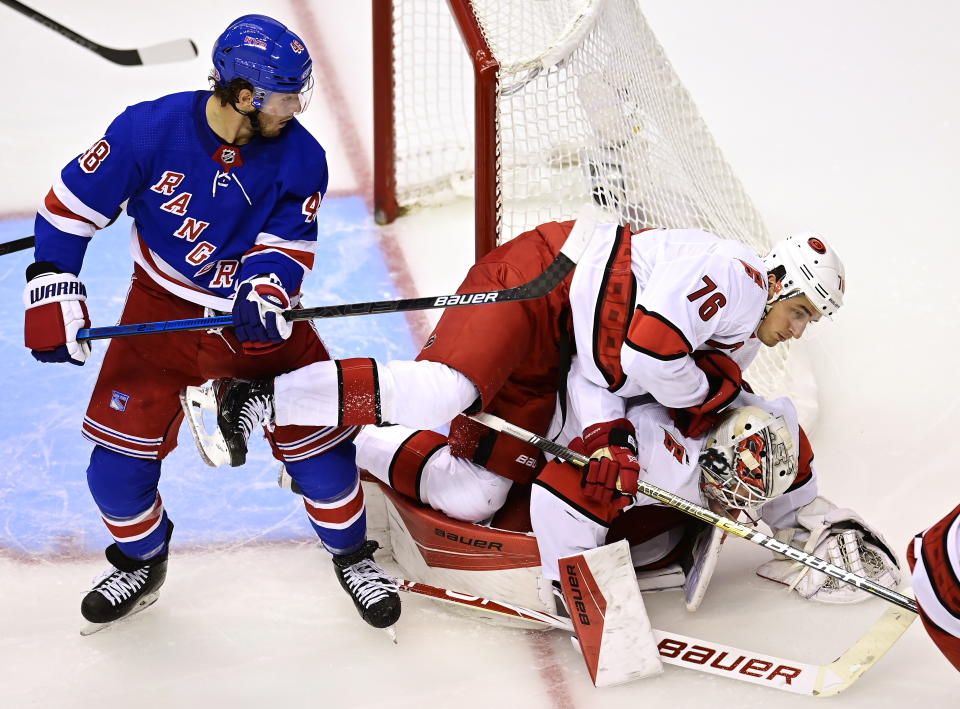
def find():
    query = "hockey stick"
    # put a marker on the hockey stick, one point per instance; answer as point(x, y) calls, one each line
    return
point(552, 276)
point(8, 247)
point(716, 658)
point(173, 51)
point(705, 515)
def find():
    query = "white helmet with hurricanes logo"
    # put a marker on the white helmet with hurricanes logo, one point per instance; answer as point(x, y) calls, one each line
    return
point(748, 459)
point(805, 263)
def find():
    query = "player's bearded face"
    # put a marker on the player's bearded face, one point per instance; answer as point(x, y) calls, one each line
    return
point(270, 125)
point(278, 109)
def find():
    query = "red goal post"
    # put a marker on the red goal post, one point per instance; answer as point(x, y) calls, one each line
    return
point(531, 108)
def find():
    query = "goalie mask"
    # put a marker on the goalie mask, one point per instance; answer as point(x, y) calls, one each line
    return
point(748, 459)
point(806, 264)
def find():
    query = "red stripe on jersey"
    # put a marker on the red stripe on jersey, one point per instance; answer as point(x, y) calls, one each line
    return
point(406, 467)
point(943, 577)
point(654, 335)
point(339, 515)
point(303, 446)
point(100, 435)
point(159, 273)
point(304, 258)
point(612, 316)
point(53, 203)
point(127, 531)
point(359, 391)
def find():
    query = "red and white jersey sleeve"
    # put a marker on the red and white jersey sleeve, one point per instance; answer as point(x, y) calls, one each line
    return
point(934, 557)
point(693, 290)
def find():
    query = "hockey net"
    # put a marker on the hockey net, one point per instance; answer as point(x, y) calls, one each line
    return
point(532, 108)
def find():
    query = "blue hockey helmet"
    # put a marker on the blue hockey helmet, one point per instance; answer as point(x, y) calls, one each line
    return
point(268, 55)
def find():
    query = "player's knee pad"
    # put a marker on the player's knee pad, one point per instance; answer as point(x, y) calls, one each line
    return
point(120, 484)
point(327, 476)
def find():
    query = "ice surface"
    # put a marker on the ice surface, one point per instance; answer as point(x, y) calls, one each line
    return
point(837, 116)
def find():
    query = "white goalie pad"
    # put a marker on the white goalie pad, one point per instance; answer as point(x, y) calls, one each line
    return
point(200, 410)
point(608, 615)
point(706, 552)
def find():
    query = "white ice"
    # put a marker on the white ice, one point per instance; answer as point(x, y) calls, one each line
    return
point(841, 117)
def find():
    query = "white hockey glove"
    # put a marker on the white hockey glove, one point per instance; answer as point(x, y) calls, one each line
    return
point(56, 309)
point(258, 313)
point(841, 537)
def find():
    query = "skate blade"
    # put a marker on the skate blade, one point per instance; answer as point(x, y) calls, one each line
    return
point(392, 632)
point(210, 444)
point(145, 602)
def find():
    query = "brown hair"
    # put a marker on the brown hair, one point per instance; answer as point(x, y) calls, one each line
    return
point(229, 94)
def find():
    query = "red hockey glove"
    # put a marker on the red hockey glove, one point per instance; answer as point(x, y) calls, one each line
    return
point(56, 310)
point(613, 472)
point(725, 382)
point(258, 314)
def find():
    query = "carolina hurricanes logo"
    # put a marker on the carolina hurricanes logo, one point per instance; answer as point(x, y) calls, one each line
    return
point(817, 245)
point(297, 47)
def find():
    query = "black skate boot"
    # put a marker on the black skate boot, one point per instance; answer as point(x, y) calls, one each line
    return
point(374, 592)
point(130, 587)
point(242, 406)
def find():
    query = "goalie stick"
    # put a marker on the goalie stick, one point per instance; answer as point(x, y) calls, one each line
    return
point(552, 276)
point(727, 525)
point(173, 51)
point(717, 658)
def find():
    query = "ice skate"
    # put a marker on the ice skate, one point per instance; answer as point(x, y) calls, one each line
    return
point(124, 590)
point(240, 405)
point(374, 592)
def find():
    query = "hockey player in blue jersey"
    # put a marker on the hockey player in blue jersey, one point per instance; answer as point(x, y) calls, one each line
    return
point(223, 187)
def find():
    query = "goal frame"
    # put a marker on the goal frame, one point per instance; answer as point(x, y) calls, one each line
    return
point(486, 158)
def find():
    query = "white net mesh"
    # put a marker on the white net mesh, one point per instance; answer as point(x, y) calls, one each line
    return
point(587, 106)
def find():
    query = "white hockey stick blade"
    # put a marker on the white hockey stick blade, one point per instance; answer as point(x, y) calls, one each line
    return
point(176, 50)
point(719, 659)
point(609, 616)
point(210, 444)
point(871, 646)
point(788, 675)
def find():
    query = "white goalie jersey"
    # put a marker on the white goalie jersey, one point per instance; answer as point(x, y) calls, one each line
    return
point(643, 302)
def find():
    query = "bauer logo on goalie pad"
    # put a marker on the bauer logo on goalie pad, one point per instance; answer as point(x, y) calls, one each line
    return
point(466, 299)
point(479, 543)
point(576, 595)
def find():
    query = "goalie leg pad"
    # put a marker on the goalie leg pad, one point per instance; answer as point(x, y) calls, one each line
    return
point(706, 552)
point(609, 616)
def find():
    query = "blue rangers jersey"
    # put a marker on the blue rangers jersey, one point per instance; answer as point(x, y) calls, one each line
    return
point(206, 214)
